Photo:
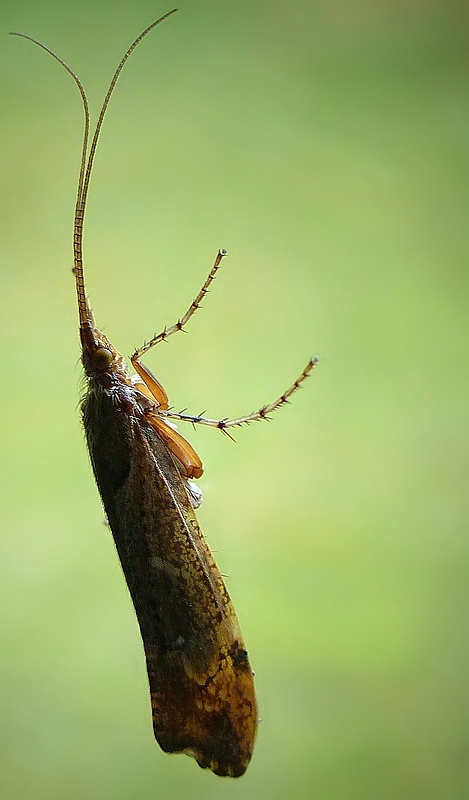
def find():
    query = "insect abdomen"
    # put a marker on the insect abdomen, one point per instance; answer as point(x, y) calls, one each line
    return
point(201, 682)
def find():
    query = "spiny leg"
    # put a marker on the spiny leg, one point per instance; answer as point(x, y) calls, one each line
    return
point(179, 325)
point(262, 413)
point(153, 385)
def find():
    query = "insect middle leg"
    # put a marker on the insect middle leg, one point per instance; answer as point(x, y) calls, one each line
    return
point(255, 416)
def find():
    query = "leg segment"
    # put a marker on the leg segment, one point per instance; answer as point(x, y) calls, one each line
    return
point(149, 385)
point(179, 325)
point(262, 413)
point(190, 463)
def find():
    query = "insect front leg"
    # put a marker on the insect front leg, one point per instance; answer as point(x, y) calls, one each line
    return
point(179, 325)
point(187, 458)
point(149, 385)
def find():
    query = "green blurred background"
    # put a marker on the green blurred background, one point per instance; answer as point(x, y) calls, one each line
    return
point(325, 145)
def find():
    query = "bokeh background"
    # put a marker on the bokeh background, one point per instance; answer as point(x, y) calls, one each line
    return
point(325, 145)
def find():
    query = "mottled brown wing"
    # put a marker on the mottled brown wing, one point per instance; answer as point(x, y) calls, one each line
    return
point(201, 683)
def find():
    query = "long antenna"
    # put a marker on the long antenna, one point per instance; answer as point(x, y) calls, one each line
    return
point(86, 166)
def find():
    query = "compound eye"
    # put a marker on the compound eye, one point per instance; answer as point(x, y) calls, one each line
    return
point(102, 358)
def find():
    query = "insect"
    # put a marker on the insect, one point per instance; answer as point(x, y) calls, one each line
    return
point(201, 683)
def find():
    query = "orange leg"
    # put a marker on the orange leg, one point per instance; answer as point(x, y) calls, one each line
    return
point(191, 465)
point(150, 386)
point(189, 461)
